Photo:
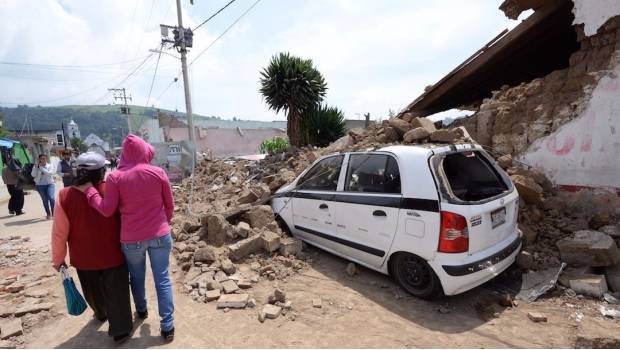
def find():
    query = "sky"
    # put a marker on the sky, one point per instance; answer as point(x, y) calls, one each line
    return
point(376, 56)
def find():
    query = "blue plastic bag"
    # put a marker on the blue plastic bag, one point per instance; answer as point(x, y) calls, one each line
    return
point(75, 302)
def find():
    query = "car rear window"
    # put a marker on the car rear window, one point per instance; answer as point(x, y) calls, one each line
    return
point(472, 177)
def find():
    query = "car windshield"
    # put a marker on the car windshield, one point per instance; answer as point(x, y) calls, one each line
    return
point(472, 177)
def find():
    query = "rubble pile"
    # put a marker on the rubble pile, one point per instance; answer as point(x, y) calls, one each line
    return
point(563, 227)
point(23, 301)
point(514, 117)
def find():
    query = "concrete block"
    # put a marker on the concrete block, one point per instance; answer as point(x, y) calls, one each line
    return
point(245, 247)
point(229, 287)
point(271, 311)
point(235, 301)
point(591, 285)
point(212, 295)
point(290, 246)
point(270, 241)
point(589, 248)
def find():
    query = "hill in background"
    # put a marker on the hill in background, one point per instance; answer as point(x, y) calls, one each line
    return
point(106, 120)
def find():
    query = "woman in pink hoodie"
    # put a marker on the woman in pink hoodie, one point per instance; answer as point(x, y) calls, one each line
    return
point(141, 193)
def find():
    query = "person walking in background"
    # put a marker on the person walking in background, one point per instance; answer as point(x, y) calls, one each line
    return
point(10, 176)
point(65, 168)
point(94, 249)
point(142, 194)
point(44, 181)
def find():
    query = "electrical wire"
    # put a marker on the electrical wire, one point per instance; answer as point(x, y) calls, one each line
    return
point(167, 87)
point(70, 66)
point(213, 15)
point(153, 80)
point(225, 31)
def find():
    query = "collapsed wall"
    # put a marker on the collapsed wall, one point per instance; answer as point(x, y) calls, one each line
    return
point(566, 122)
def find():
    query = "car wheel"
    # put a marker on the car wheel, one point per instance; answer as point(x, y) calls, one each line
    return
point(283, 225)
point(415, 276)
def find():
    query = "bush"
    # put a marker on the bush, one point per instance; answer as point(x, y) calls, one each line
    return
point(324, 125)
point(275, 145)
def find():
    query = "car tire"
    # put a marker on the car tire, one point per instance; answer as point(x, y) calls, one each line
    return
point(416, 276)
point(283, 226)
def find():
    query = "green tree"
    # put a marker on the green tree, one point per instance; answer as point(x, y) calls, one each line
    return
point(78, 145)
point(294, 85)
point(323, 125)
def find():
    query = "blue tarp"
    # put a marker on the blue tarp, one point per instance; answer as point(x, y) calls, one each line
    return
point(7, 142)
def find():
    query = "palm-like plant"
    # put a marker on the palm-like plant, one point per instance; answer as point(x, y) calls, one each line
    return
point(323, 125)
point(294, 85)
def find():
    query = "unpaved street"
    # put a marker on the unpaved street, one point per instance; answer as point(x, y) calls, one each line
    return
point(367, 310)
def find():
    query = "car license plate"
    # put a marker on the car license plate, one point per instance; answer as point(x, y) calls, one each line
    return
point(498, 217)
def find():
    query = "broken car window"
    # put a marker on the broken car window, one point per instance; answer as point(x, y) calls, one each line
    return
point(323, 176)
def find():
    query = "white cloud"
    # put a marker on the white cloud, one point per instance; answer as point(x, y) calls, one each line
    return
point(375, 55)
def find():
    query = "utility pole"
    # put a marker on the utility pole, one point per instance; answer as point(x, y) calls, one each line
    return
point(119, 94)
point(183, 39)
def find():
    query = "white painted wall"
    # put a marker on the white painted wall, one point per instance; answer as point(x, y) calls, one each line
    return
point(585, 151)
point(594, 13)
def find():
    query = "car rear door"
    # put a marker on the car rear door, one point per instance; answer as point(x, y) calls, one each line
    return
point(313, 209)
point(367, 209)
point(475, 187)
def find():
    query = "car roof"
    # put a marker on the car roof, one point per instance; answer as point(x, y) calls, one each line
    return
point(414, 151)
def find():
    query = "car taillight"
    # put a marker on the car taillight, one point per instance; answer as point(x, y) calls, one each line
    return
point(454, 237)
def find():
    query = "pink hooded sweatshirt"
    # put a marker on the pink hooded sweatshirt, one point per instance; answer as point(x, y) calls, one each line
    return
point(140, 191)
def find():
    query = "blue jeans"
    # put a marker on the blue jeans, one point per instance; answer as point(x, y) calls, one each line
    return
point(159, 254)
point(48, 195)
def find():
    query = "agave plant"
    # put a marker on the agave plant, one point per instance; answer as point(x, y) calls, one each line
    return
point(294, 85)
point(275, 145)
point(323, 125)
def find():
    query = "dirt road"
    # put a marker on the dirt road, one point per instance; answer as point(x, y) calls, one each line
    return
point(364, 311)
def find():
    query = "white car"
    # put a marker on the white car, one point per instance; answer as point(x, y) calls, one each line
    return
point(439, 219)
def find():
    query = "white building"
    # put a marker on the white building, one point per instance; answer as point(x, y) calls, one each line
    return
point(72, 130)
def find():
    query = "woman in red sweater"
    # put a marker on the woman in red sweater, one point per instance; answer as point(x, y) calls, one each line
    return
point(94, 249)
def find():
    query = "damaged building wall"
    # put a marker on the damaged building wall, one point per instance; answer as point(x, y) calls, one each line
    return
point(593, 17)
point(532, 121)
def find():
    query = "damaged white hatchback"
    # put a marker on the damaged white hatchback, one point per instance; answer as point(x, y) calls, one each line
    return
point(439, 219)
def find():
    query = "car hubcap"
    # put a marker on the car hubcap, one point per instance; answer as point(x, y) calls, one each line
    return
point(415, 273)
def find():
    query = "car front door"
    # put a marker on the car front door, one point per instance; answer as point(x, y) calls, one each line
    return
point(368, 207)
point(313, 209)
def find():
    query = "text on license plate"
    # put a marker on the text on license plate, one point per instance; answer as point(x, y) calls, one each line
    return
point(498, 217)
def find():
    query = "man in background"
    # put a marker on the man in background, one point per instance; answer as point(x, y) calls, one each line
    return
point(10, 176)
point(65, 168)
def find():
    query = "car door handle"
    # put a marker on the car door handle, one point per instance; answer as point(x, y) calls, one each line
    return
point(323, 206)
point(379, 213)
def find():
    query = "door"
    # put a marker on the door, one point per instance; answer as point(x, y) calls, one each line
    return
point(313, 211)
point(368, 207)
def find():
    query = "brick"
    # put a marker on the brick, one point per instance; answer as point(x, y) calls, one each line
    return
point(235, 301)
point(229, 287)
point(271, 311)
point(212, 295)
point(245, 247)
point(270, 241)
point(11, 328)
point(290, 246)
point(591, 285)
point(537, 317)
point(32, 308)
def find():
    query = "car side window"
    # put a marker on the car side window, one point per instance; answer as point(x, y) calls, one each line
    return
point(323, 176)
point(376, 173)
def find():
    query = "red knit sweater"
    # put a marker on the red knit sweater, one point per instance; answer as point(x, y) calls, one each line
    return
point(94, 240)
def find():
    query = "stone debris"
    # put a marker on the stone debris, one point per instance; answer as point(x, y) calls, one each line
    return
point(537, 317)
point(592, 285)
point(351, 269)
point(290, 246)
point(228, 267)
point(32, 308)
point(271, 311)
point(278, 295)
point(317, 303)
point(212, 295)
point(229, 286)
point(234, 301)
point(589, 248)
point(11, 328)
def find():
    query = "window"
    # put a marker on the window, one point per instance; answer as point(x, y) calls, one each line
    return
point(373, 173)
point(323, 176)
point(471, 177)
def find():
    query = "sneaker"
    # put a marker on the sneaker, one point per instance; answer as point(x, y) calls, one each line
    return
point(143, 314)
point(168, 335)
point(20, 213)
point(119, 339)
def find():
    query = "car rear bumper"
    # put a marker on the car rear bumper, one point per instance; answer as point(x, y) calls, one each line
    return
point(476, 270)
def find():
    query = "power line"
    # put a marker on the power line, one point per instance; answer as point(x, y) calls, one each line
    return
point(69, 66)
point(154, 75)
point(225, 31)
point(213, 15)
point(167, 87)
